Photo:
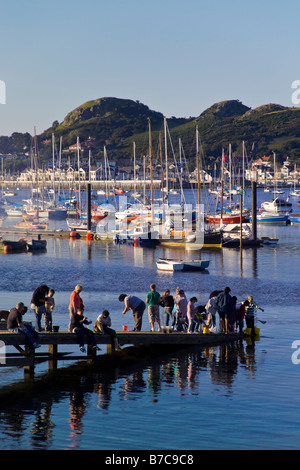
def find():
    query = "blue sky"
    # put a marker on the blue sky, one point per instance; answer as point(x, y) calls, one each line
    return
point(177, 57)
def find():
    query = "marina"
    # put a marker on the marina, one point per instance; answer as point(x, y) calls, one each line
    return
point(174, 371)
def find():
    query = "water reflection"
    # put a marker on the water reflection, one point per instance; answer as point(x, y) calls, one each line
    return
point(181, 373)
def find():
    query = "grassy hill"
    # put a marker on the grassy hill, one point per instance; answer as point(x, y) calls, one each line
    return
point(116, 123)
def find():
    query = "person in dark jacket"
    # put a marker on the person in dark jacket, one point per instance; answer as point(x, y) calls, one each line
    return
point(78, 320)
point(225, 307)
point(38, 303)
point(168, 304)
point(15, 324)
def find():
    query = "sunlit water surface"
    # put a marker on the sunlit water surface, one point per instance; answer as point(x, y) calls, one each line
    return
point(241, 397)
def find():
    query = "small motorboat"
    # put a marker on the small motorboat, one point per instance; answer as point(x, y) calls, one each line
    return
point(169, 265)
point(37, 245)
point(10, 246)
point(277, 205)
point(295, 219)
point(181, 265)
point(269, 240)
point(271, 218)
point(139, 234)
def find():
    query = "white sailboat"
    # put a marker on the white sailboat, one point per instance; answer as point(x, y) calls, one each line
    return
point(276, 205)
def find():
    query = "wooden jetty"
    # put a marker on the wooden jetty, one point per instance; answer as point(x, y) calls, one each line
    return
point(28, 357)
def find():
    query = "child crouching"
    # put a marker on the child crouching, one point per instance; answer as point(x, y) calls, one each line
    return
point(103, 324)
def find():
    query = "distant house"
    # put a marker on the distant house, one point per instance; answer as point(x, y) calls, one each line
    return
point(75, 147)
point(263, 161)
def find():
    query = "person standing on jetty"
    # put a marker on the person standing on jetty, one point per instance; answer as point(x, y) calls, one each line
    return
point(168, 304)
point(38, 303)
point(153, 299)
point(15, 324)
point(137, 306)
point(49, 305)
point(250, 313)
point(76, 301)
point(225, 307)
point(181, 303)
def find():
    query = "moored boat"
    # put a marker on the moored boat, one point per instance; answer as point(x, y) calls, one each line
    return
point(37, 245)
point(11, 246)
point(271, 218)
point(182, 265)
point(295, 219)
point(277, 205)
point(169, 265)
point(269, 241)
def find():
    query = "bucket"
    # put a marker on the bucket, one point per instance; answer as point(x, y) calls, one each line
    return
point(125, 327)
point(56, 329)
point(248, 331)
point(256, 331)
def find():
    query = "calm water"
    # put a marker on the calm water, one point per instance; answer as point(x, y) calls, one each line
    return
point(241, 397)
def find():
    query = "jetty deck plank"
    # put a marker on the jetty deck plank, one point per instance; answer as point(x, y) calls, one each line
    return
point(28, 357)
point(132, 338)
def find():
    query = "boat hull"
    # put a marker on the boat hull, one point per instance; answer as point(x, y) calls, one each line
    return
point(37, 245)
point(268, 218)
point(295, 219)
point(226, 219)
point(182, 265)
point(9, 246)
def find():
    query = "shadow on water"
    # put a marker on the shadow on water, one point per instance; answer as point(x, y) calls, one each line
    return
point(33, 415)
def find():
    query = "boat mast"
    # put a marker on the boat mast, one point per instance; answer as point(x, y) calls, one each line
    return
point(230, 188)
point(222, 185)
point(151, 174)
point(78, 163)
point(134, 173)
point(105, 171)
point(161, 173)
point(166, 155)
point(150, 160)
point(53, 165)
point(36, 173)
point(198, 169)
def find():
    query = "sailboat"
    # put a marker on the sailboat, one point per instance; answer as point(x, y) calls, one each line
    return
point(232, 213)
point(195, 236)
point(295, 192)
point(56, 211)
point(276, 205)
point(33, 212)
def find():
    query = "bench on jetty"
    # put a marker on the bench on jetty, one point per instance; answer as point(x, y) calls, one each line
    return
point(53, 340)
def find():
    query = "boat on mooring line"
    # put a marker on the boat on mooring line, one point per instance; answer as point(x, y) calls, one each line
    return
point(271, 218)
point(181, 265)
point(295, 219)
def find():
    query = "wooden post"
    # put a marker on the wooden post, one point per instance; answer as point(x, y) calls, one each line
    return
point(91, 352)
point(29, 368)
point(53, 356)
